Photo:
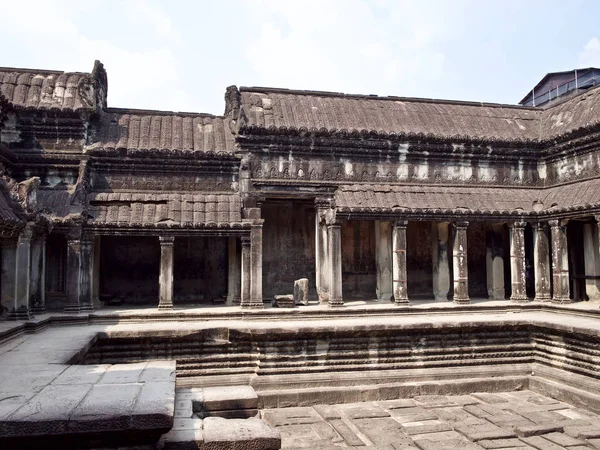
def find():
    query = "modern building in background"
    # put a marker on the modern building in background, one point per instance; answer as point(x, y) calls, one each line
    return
point(559, 84)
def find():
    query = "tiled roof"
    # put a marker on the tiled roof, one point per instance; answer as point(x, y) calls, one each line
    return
point(364, 198)
point(47, 90)
point(370, 198)
point(56, 202)
point(283, 109)
point(581, 111)
point(155, 130)
point(168, 210)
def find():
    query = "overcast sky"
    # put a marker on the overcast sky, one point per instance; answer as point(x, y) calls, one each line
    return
point(180, 55)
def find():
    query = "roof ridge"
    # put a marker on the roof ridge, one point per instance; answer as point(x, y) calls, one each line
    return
point(261, 89)
point(157, 112)
point(40, 71)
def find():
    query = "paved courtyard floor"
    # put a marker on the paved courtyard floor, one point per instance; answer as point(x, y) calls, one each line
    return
point(511, 420)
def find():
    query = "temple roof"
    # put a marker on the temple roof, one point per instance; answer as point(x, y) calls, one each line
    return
point(578, 112)
point(288, 109)
point(157, 130)
point(47, 90)
point(361, 198)
point(166, 210)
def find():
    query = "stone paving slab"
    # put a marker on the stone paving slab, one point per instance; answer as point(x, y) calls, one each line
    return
point(443, 423)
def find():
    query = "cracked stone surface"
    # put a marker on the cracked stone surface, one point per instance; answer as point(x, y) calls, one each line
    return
point(508, 420)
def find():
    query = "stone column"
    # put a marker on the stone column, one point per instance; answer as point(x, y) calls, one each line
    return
point(560, 262)
point(21, 309)
point(165, 278)
point(495, 261)
point(590, 257)
point(72, 287)
point(383, 255)
point(9, 262)
point(399, 263)
point(322, 269)
point(334, 249)
point(541, 262)
point(256, 258)
point(517, 262)
point(245, 268)
point(441, 263)
point(233, 277)
point(38, 275)
point(460, 266)
point(96, 272)
point(85, 274)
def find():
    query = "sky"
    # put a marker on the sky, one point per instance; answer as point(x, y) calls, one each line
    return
point(181, 55)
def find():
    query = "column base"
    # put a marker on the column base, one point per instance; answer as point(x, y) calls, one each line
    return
point(562, 300)
point(440, 297)
point(543, 298)
point(165, 305)
point(72, 308)
point(519, 299)
point(39, 309)
point(335, 302)
point(22, 313)
point(496, 294)
point(252, 305)
point(385, 297)
point(401, 302)
point(234, 301)
point(462, 301)
point(87, 308)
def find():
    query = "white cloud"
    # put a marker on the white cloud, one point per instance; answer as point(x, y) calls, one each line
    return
point(590, 55)
point(146, 77)
point(348, 45)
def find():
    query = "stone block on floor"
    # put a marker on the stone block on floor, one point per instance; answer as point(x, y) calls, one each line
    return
point(234, 434)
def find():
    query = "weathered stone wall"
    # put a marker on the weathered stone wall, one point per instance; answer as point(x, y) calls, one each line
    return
point(359, 279)
point(288, 246)
point(419, 260)
point(129, 268)
point(200, 270)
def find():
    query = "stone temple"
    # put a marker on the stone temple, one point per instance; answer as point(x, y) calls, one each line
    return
point(434, 264)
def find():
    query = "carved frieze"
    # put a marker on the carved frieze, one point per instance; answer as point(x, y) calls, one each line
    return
point(162, 182)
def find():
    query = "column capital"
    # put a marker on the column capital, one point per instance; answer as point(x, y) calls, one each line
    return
point(245, 239)
point(597, 218)
point(401, 223)
point(324, 202)
point(166, 240)
point(517, 224)
point(461, 224)
point(554, 223)
point(540, 225)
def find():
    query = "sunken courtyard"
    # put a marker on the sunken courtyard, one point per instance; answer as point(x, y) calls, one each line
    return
point(308, 270)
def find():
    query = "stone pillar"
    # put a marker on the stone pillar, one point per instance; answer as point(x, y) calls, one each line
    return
point(96, 272)
point(441, 263)
point(517, 262)
point(233, 277)
point(494, 261)
point(85, 275)
point(590, 257)
point(383, 255)
point(72, 287)
point(245, 268)
point(21, 309)
point(165, 278)
point(541, 262)
point(256, 258)
point(460, 266)
point(334, 249)
point(399, 263)
point(9, 263)
point(560, 262)
point(38, 275)
point(322, 269)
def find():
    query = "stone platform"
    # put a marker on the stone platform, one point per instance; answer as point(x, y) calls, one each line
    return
point(512, 420)
point(48, 398)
